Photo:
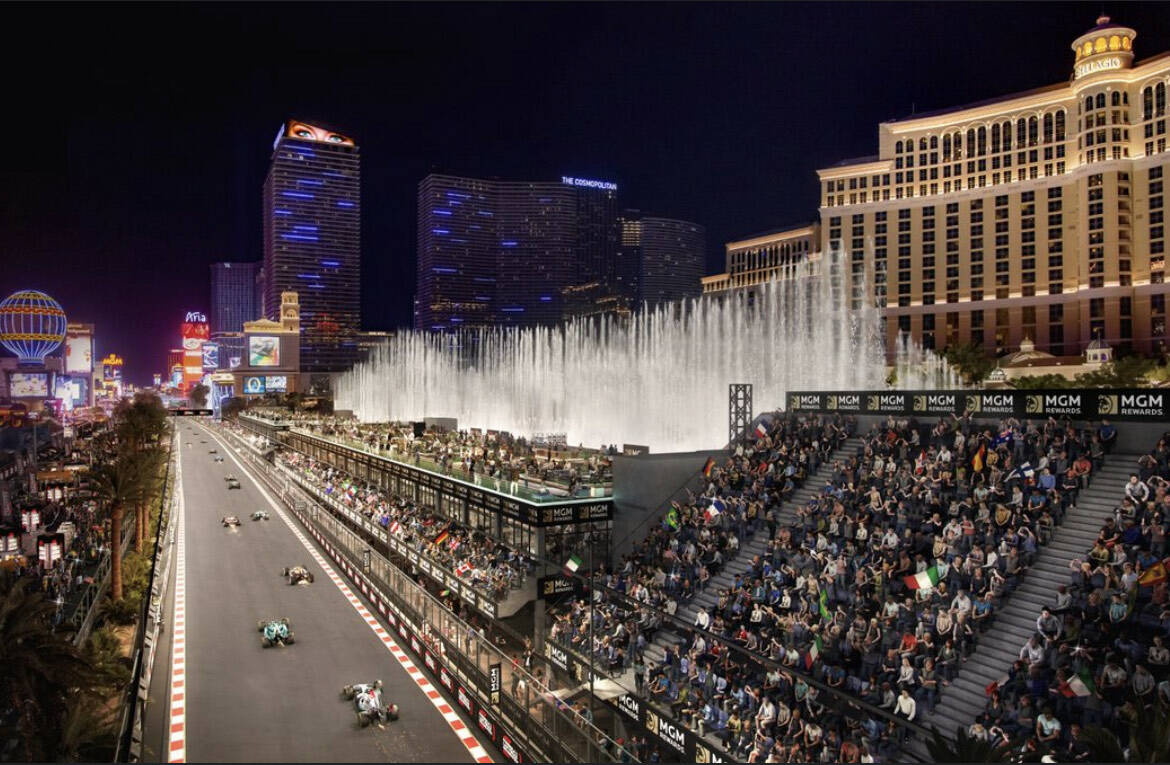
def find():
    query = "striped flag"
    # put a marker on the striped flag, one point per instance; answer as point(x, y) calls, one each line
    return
point(1154, 574)
point(977, 461)
point(714, 511)
point(395, 527)
point(709, 466)
point(1078, 686)
point(442, 537)
point(761, 429)
point(923, 580)
point(571, 565)
point(814, 651)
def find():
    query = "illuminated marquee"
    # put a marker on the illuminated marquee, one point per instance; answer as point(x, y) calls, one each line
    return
point(586, 183)
point(1102, 65)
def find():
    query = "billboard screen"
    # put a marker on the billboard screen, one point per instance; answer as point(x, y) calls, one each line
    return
point(263, 351)
point(211, 355)
point(177, 375)
point(79, 353)
point(235, 361)
point(195, 334)
point(276, 384)
point(28, 385)
point(253, 385)
point(157, 380)
point(73, 391)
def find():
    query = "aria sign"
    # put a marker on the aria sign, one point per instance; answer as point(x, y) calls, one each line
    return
point(603, 185)
point(1101, 65)
point(196, 317)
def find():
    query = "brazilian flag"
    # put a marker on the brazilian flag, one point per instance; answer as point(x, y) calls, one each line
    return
point(672, 519)
point(825, 614)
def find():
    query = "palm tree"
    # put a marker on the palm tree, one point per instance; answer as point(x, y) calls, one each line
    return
point(149, 463)
point(965, 748)
point(119, 485)
point(39, 670)
point(1149, 738)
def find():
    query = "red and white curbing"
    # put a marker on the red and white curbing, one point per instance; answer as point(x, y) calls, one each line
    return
point(177, 723)
point(474, 748)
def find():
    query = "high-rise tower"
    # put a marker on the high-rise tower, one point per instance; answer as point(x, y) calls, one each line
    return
point(312, 243)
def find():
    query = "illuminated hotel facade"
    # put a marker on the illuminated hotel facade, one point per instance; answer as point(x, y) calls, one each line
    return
point(1036, 215)
point(312, 244)
point(761, 258)
point(501, 253)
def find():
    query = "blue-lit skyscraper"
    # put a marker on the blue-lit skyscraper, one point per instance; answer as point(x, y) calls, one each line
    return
point(234, 299)
point(496, 252)
point(312, 245)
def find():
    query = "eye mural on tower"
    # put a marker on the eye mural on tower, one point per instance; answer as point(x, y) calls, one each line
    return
point(307, 132)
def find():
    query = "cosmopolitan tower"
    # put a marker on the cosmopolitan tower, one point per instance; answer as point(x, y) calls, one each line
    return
point(312, 243)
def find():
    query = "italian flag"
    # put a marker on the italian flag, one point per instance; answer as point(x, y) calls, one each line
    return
point(571, 565)
point(1078, 686)
point(814, 651)
point(923, 580)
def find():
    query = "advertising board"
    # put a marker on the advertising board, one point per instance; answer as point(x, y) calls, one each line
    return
point(263, 351)
point(28, 384)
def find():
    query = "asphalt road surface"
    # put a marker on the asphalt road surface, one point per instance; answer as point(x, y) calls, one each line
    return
point(280, 704)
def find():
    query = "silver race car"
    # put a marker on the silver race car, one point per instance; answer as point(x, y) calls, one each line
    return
point(368, 703)
point(260, 515)
point(298, 574)
point(230, 521)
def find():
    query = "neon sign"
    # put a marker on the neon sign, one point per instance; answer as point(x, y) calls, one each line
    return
point(585, 182)
point(1091, 67)
point(196, 317)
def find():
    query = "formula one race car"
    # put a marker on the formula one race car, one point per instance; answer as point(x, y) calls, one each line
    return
point(232, 482)
point(230, 520)
point(260, 515)
point(298, 574)
point(274, 631)
point(218, 459)
point(368, 703)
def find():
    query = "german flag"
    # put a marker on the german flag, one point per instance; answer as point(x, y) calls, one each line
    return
point(1154, 574)
point(709, 466)
point(446, 532)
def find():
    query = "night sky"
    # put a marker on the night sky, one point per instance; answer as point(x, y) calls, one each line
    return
point(138, 136)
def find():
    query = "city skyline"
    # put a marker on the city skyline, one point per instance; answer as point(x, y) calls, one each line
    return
point(752, 171)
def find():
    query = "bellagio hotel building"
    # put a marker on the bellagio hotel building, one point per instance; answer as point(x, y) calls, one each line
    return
point(1036, 215)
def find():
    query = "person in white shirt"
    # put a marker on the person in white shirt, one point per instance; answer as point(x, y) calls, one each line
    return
point(906, 706)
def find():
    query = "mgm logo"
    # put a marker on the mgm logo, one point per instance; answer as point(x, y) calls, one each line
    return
point(1107, 405)
point(842, 401)
point(972, 405)
point(1034, 405)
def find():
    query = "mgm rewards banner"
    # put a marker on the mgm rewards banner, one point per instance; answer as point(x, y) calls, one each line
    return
point(1130, 404)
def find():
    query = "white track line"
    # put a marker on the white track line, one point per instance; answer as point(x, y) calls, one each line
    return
point(461, 729)
point(177, 723)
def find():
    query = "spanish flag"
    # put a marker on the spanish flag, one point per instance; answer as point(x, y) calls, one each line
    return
point(1154, 574)
point(977, 461)
point(709, 466)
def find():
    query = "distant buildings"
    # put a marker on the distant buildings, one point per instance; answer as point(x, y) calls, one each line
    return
point(522, 253)
point(312, 246)
point(235, 297)
point(763, 257)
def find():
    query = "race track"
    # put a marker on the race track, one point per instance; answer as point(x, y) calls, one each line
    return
point(247, 703)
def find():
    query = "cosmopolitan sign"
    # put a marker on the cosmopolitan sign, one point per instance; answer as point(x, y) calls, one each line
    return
point(1102, 65)
point(585, 182)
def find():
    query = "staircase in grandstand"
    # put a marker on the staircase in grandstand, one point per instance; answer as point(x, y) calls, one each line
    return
point(961, 702)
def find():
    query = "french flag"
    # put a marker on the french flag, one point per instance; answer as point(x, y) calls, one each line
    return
point(761, 429)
